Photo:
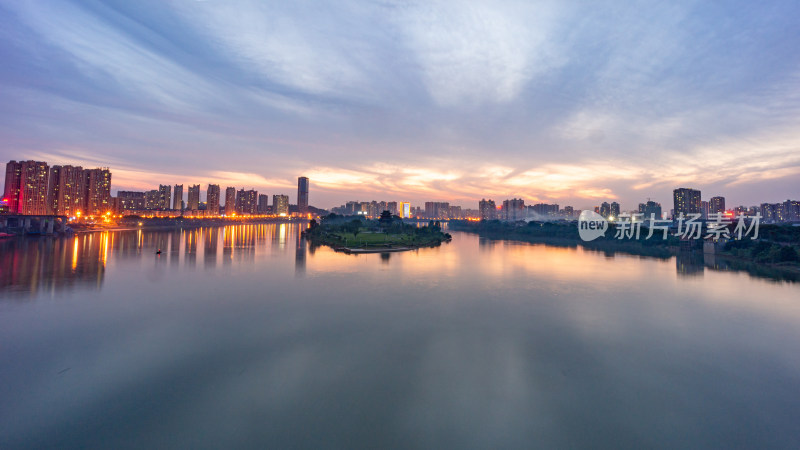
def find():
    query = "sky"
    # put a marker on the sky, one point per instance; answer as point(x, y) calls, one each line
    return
point(562, 102)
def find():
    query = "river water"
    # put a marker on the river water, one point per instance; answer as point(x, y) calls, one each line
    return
point(243, 336)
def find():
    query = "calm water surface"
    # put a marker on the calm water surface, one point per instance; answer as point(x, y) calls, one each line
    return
point(245, 337)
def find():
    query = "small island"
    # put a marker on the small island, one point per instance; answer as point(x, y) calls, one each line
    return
point(355, 235)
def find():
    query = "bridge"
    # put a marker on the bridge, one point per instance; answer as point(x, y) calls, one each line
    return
point(24, 224)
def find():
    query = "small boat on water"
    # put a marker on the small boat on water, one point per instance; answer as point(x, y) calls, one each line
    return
point(6, 235)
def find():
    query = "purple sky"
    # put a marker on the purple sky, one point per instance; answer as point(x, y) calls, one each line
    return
point(567, 102)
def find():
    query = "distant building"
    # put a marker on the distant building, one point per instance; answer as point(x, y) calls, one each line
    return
point(544, 209)
point(230, 201)
point(212, 199)
point(716, 205)
point(65, 190)
point(193, 201)
point(246, 201)
point(437, 210)
point(26, 187)
point(514, 209)
point(605, 210)
point(686, 201)
point(280, 205)
point(392, 208)
point(405, 210)
point(488, 209)
point(650, 207)
point(177, 197)
point(704, 209)
point(97, 191)
point(163, 197)
point(302, 195)
point(263, 203)
point(12, 186)
point(152, 199)
point(614, 210)
point(130, 201)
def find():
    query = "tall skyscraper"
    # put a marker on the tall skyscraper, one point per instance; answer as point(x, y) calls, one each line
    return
point(33, 188)
point(97, 191)
point(177, 197)
point(302, 195)
point(230, 201)
point(65, 190)
point(280, 205)
point(193, 203)
point(650, 207)
point(212, 200)
point(686, 201)
point(488, 209)
point(163, 197)
point(12, 185)
point(716, 205)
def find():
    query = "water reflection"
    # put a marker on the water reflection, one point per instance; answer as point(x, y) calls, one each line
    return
point(49, 265)
point(40, 264)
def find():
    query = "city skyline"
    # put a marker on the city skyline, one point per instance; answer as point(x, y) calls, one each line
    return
point(436, 101)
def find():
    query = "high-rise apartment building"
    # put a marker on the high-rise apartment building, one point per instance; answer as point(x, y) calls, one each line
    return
point(163, 197)
point(716, 205)
point(302, 195)
point(212, 200)
point(130, 201)
point(437, 210)
point(246, 201)
point(488, 209)
point(686, 201)
point(193, 201)
point(65, 190)
point(177, 197)
point(514, 209)
point(280, 205)
point(614, 210)
point(97, 191)
point(12, 186)
point(263, 204)
point(152, 199)
point(230, 201)
point(32, 197)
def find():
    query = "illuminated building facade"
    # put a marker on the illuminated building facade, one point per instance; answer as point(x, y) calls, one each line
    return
point(12, 186)
point(65, 190)
point(193, 200)
point(686, 201)
point(97, 191)
point(246, 201)
point(230, 201)
point(212, 199)
point(177, 197)
point(280, 205)
point(33, 188)
point(405, 210)
point(488, 209)
point(163, 197)
point(716, 205)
